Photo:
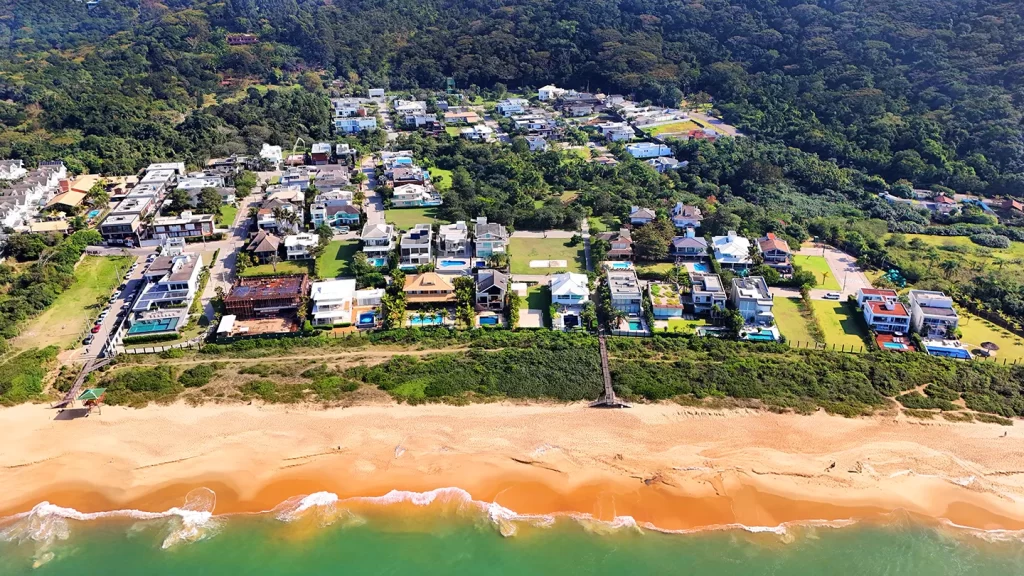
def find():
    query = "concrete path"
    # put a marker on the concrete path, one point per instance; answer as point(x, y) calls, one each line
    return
point(844, 269)
point(374, 205)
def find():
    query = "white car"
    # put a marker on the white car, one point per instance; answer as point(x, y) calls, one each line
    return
point(833, 296)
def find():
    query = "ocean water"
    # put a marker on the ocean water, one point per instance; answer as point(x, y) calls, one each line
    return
point(427, 534)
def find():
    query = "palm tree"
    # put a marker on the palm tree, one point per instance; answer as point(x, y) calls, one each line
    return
point(949, 267)
point(359, 179)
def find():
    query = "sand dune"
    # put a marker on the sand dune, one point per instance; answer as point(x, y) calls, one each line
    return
point(677, 468)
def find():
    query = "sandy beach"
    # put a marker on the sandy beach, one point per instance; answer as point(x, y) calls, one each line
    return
point(673, 467)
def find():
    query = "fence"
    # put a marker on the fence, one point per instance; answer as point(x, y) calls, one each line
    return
point(851, 349)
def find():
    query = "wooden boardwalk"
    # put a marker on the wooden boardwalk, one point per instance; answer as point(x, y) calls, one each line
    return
point(608, 399)
point(90, 366)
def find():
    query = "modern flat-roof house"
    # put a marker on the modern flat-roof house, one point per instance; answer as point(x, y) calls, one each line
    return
point(479, 132)
point(266, 296)
point(621, 243)
point(416, 246)
point(776, 253)
point(272, 154)
point(355, 124)
point(453, 241)
point(320, 153)
point(753, 299)
point(300, 246)
point(512, 106)
point(410, 196)
point(378, 240)
point(932, 314)
point(171, 284)
point(665, 300)
point(120, 229)
point(875, 295)
point(686, 216)
point(549, 92)
point(888, 317)
point(617, 131)
point(625, 291)
point(706, 292)
point(332, 301)
point(648, 150)
point(639, 216)
point(569, 294)
point(491, 288)
point(468, 117)
point(490, 238)
point(264, 246)
point(186, 225)
point(732, 251)
point(689, 246)
point(428, 288)
point(537, 143)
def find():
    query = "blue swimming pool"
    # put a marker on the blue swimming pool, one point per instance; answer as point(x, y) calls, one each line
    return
point(367, 318)
point(377, 262)
point(761, 336)
point(894, 346)
point(435, 320)
point(92, 214)
point(948, 352)
point(152, 326)
point(635, 326)
point(489, 321)
point(621, 265)
point(699, 267)
point(454, 263)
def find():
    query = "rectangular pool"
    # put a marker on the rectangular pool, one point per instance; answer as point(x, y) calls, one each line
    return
point(703, 268)
point(948, 352)
point(435, 320)
point(153, 326)
point(377, 262)
point(894, 346)
point(635, 326)
point(489, 321)
point(621, 265)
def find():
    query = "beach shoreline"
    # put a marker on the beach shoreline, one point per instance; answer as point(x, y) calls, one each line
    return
point(664, 466)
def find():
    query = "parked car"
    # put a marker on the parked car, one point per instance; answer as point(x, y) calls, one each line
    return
point(88, 339)
point(96, 328)
point(833, 296)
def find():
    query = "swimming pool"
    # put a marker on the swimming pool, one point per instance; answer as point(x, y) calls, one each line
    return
point(635, 326)
point(435, 320)
point(151, 326)
point(454, 263)
point(489, 321)
point(761, 336)
point(699, 267)
point(621, 265)
point(92, 214)
point(377, 262)
point(894, 346)
point(367, 318)
point(948, 352)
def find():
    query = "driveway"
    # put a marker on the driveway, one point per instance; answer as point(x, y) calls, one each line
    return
point(374, 206)
point(126, 296)
point(844, 269)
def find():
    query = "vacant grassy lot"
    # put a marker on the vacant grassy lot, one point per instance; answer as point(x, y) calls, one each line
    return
point(790, 318)
point(453, 131)
point(64, 322)
point(675, 128)
point(1016, 249)
point(683, 325)
point(337, 258)
point(227, 215)
point(977, 330)
point(523, 250)
point(538, 297)
point(441, 178)
point(660, 267)
point(840, 323)
point(406, 218)
point(822, 272)
point(283, 267)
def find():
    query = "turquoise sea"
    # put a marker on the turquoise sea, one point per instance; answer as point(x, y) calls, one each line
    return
point(323, 537)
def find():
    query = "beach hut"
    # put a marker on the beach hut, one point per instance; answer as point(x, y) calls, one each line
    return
point(93, 398)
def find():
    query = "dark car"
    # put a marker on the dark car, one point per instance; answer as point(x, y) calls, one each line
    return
point(88, 339)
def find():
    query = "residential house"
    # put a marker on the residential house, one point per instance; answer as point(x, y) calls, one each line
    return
point(405, 108)
point(170, 282)
point(11, 170)
point(550, 92)
point(875, 295)
point(280, 216)
point(663, 164)
point(348, 107)
point(889, 316)
point(367, 301)
point(428, 288)
point(416, 246)
point(297, 177)
point(413, 196)
point(411, 174)
point(686, 216)
point(300, 246)
point(625, 291)
point(732, 251)
point(266, 296)
point(689, 246)
point(375, 92)
point(342, 151)
point(355, 124)
point(333, 301)
point(512, 106)
point(578, 110)
point(122, 229)
point(490, 238)
point(185, 225)
point(535, 124)
point(229, 165)
point(491, 287)
point(479, 132)
point(461, 118)
point(639, 216)
point(263, 247)
point(706, 293)
point(648, 150)
point(616, 131)
point(570, 293)
point(272, 154)
point(753, 300)
point(378, 240)
point(932, 314)
point(453, 240)
point(336, 216)
point(776, 253)
point(332, 178)
point(666, 301)
point(621, 244)
point(241, 39)
point(320, 153)
point(537, 143)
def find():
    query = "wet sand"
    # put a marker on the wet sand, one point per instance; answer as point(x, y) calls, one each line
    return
point(661, 465)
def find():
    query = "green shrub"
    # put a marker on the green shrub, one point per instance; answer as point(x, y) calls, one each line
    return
point(266, 390)
point(196, 376)
point(139, 385)
point(21, 377)
point(993, 419)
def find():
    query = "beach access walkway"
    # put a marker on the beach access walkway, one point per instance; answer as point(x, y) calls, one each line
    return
point(608, 399)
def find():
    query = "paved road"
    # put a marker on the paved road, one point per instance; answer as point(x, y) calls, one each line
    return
point(718, 124)
point(126, 296)
point(844, 269)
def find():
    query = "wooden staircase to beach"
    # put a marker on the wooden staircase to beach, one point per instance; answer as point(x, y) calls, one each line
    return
point(608, 399)
point(69, 397)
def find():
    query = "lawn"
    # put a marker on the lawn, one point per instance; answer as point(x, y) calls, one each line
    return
point(337, 258)
point(596, 225)
point(406, 218)
point(1016, 249)
point(283, 267)
point(227, 215)
point(674, 128)
point(71, 314)
point(522, 250)
point(684, 326)
point(819, 266)
point(791, 321)
point(453, 131)
point(659, 268)
point(441, 178)
point(568, 196)
point(580, 151)
point(538, 297)
point(977, 330)
point(840, 323)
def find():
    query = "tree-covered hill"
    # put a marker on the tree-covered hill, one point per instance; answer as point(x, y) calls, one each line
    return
point(927, 90)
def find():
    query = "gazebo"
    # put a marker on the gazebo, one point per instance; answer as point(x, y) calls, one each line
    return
point(989, 348)
point(93, 398)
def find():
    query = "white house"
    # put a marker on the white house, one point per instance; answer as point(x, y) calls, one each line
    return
point(537, 143)
point(410, 107)
point(171, 282)
point(453, 240)
point(479, 132)
point(300, 246)
point(378, 240)
point(875, 295)
point(753, 300)
point(272, 154)
point(332, 301)
point(410, 196)
point(887, 316)
point(648, 150)
point(491, 238)
point(932, 313)
point(549, 92)
point(732, 251)
point(625, 291)
point(616, 131)
point(416, 246)
point(686, 216)
point(639, 216)
point(11, 170)
point(706, 292)
point(511, 106)
point(569, 294)
point(355, 124)
point(375, 92)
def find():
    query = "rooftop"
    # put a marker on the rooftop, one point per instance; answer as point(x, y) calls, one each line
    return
point(267, 287)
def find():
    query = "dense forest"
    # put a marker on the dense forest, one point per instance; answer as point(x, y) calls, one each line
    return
point(930, 91)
